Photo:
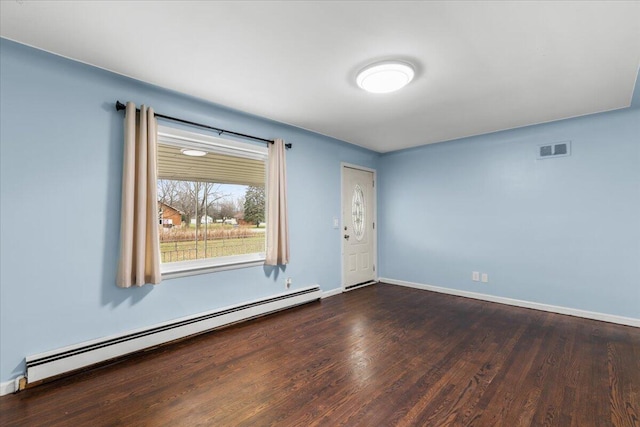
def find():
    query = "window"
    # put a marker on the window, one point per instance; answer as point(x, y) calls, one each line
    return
point(211, 205)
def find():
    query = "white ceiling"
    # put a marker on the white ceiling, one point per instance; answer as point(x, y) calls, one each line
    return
point(482, 66)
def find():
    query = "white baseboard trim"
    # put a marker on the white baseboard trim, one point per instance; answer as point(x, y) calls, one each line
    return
point(332, 292)
point(627, 321)
point(7, 387)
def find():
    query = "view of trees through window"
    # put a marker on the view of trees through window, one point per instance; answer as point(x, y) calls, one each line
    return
point(200, 220)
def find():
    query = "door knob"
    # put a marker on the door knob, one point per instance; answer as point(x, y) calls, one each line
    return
point(346, 236)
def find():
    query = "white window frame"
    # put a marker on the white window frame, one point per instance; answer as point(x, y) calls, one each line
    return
point(199, 141)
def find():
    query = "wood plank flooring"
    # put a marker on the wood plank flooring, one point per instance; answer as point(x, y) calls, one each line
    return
point(377, 356)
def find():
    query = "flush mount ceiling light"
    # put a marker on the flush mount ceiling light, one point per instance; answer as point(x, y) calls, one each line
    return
point(385, 77)
point(193, 153)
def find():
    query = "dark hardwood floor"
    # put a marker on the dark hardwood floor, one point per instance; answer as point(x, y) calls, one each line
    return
point(378, 356)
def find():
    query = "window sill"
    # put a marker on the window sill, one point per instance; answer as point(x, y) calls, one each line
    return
point(191, 268)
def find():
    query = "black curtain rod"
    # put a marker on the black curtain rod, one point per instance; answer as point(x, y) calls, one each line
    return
point(120, 106)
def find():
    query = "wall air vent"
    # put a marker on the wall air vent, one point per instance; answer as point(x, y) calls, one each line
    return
point(557, 149)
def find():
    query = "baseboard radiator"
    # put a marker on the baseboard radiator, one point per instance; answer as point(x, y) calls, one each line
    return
point(57, 362)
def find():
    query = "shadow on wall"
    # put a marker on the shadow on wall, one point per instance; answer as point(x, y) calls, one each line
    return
point(274, 270)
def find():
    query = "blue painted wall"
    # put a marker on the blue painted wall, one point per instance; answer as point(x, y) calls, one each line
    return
point(561, 231)
point(61, 153)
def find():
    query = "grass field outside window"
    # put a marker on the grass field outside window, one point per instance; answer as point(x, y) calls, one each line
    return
point(178, 244)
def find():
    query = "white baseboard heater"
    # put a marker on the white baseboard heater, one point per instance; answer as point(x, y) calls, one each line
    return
point(56, 362)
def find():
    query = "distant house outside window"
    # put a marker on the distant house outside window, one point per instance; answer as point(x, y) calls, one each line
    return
point(211, 207)
point(169, 216)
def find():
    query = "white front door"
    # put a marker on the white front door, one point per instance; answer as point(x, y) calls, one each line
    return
point(358, 227)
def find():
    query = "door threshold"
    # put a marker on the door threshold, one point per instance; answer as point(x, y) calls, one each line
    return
point(359, 285)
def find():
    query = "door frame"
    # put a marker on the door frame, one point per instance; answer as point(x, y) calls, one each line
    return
point(374, 236)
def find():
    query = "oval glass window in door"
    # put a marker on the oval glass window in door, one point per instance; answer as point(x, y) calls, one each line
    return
point(357, 212)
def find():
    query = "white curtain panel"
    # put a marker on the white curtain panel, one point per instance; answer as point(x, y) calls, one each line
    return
point(277, 217)
point(139, 261)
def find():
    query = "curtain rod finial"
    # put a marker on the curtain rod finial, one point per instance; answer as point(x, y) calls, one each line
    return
point(120, 106)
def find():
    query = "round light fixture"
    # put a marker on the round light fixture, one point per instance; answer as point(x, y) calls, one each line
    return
point(385, 77)
point(193, 153)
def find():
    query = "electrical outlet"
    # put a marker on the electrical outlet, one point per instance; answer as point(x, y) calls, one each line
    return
point(287, 283)
point(485, 278)
point(475, 276)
